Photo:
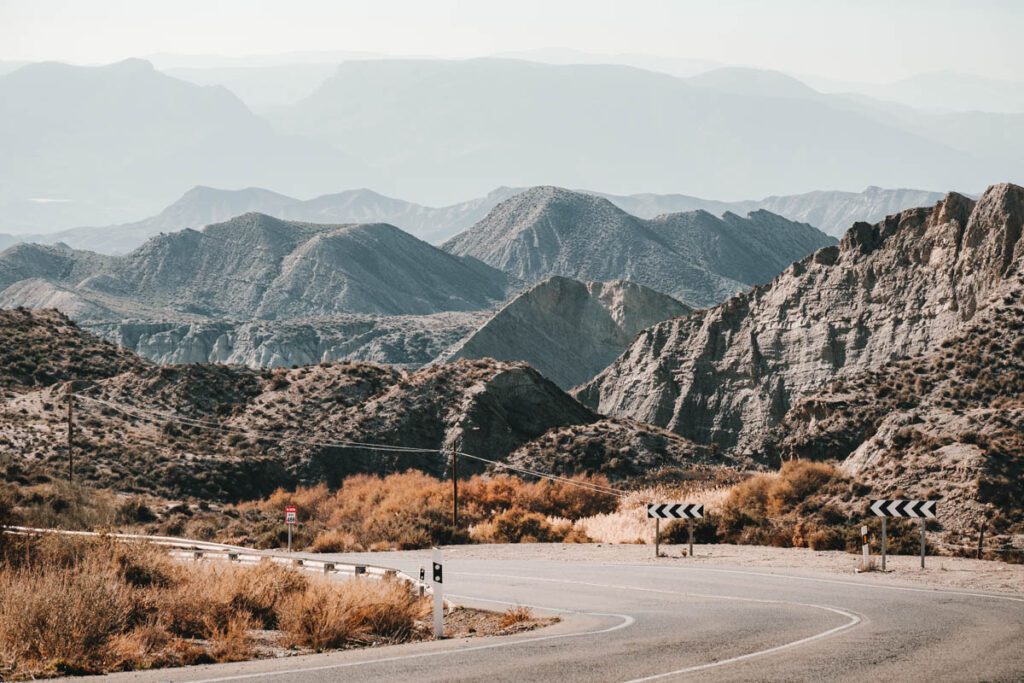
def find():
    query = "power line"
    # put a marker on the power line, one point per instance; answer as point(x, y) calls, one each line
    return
point(154, 415)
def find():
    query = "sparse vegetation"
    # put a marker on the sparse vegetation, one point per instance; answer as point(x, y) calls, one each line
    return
point(76, 607)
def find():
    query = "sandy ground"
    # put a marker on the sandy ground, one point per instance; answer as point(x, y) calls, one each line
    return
point(939, 572)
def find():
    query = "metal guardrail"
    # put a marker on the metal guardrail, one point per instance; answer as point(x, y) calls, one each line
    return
point(197, 551)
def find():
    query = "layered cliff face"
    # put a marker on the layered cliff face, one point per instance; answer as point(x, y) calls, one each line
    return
point(891, 290)
point(945, 424)
point(405, 340)
point(569, 330)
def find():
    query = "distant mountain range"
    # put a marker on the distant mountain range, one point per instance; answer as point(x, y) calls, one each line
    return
point(696, 257)
point(253, 267)
point(830, 211)
point(126, 138)
point(264, 291)
point(102, 144)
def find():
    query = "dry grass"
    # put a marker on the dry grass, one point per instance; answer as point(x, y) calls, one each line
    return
point(93, 606)
point(413, 510)
point(519, 614)
point(330, 616)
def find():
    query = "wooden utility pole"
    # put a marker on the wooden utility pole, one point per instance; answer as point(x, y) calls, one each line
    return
point(455, 489)
point(71, 430)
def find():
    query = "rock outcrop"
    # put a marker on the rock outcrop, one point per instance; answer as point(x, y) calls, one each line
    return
point(398, 340)
point(696, 257)
point(729, 374)
point(569, 330)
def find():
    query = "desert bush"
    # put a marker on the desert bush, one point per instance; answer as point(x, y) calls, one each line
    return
point(95, 606)
point(328, 615)
point(60, 619)
point(517, 526)
point(780, 509)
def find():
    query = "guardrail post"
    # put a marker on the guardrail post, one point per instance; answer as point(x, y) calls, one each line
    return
point(328, 567)
point(232, 557)
point(297, 563)
point(197, 555)
point(360, 570)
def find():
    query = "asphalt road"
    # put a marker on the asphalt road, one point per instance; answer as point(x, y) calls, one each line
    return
point(670, 622)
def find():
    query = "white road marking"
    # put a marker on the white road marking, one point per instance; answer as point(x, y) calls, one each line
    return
point(854, 619)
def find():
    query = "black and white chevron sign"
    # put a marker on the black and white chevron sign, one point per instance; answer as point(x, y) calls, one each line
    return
point(903, 508)
point(675, 510)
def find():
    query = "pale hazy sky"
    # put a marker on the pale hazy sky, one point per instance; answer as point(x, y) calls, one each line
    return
point(866, 40)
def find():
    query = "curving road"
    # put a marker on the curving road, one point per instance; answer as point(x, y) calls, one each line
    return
point(672, 622)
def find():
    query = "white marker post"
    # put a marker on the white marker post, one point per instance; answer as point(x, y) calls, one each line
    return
point(865, 548)
point(438, 581)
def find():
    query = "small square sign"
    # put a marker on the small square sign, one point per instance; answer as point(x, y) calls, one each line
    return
point(291, 515)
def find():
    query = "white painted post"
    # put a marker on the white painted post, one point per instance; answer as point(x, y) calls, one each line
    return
point(865, 548)
point(883, 543)
point(691, 537)
point(423, 580)
point(438, 581)
point(289, 537)
point(657, 537)
point(922, 543)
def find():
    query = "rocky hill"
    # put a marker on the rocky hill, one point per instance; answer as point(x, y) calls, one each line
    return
point(897, 289)
point(255, 266)
point(569, 330)
point(41, 348)
point(228, 432)
point(695, 257)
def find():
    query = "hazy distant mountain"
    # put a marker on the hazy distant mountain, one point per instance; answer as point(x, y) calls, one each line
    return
point(945, 91)
point(569, 330)
point(203, 206)
point(487, 122)
point(118, 140)
point(830, 211)
point(255, 266)
point(260, 87)
point(695, 257)
point(198, 207)
point(675, 66)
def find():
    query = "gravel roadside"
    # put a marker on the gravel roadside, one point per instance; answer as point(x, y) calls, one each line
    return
point(940, 572)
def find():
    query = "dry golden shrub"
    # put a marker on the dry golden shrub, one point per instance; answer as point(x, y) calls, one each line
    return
point(329, 615)
point(60, 619)
point(515, 615)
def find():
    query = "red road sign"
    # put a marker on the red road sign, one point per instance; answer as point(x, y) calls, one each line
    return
point(291, 514)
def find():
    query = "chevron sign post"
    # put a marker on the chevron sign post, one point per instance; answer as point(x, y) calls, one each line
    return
point(914, 509)
point(660, 511)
